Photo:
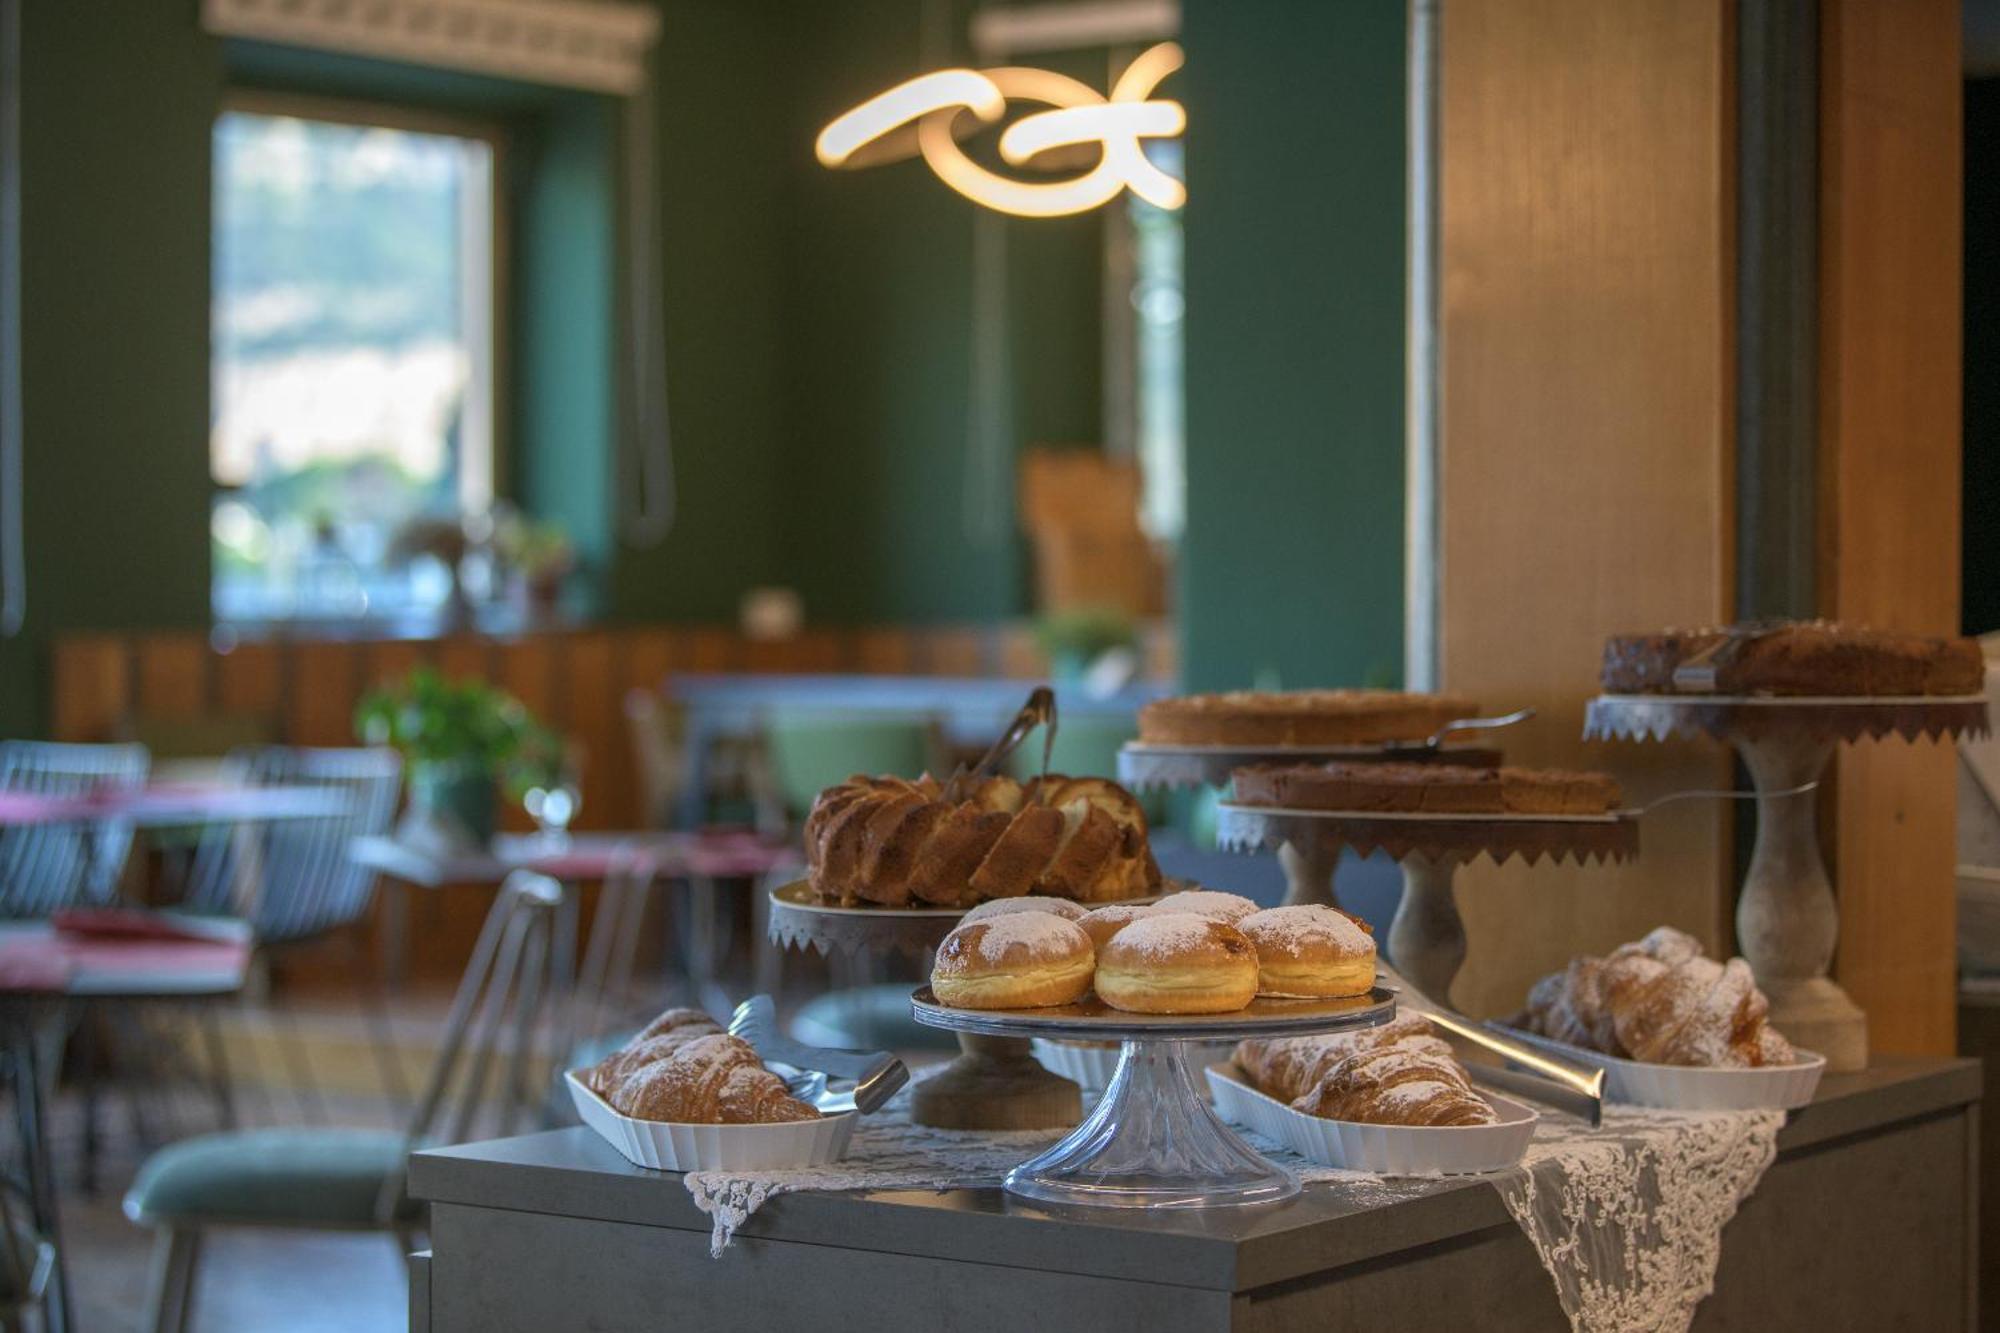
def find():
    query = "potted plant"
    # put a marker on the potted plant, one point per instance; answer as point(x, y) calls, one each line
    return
point(1073, 640)
point(462, 742)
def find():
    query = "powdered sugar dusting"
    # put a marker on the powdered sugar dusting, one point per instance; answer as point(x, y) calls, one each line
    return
point(1061, 908)
point(1228, 907)
point(1165, 935)
point(1029, 937)
point(1296, 930)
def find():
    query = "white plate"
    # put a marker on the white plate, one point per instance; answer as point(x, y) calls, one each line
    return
point(1391, 1150)
point(1689, 1088)
point(1091, 1067)
point(675, 1147)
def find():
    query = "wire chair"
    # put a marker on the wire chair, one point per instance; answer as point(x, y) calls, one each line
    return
point(299, 1178)
point(47, 867)
point(296, 881)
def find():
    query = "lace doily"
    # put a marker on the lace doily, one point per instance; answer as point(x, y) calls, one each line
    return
point(1627, 1218)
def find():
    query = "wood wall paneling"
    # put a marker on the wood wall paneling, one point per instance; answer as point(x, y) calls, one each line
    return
point(1890, 364)
point(250, 681)
point(173, 675)
point(1585, 256)
point(93, 683)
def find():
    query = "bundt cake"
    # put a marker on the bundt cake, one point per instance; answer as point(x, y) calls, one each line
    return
point(891, 841)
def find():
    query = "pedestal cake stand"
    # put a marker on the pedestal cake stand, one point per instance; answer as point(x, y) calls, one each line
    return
point(1787, 921)
point(1427, 938)
point(1153, 1142)
point(1309, 867)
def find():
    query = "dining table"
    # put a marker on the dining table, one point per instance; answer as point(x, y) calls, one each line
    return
point(45, 971)
point(699, 859)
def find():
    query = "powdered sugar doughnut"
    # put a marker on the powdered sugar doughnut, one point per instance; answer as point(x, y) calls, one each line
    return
point(1219, 906)
point(986, 911)
point(1178, 963)
point(1104, 922)
point(1310, 951)
point(1022, 960)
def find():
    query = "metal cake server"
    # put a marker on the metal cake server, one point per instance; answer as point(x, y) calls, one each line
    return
point(877, 1074)
point(1530, 1071)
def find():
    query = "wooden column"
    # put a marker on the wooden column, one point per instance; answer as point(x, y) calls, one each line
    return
point(1585, 424)
point(1890, 220)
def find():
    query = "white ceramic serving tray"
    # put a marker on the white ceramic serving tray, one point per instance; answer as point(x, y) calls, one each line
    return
point(1091, 1067)
point(1685, 1088)
point(675, 1147)
point(1390, 1150)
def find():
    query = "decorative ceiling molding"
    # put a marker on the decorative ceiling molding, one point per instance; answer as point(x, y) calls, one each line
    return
point(598, 45)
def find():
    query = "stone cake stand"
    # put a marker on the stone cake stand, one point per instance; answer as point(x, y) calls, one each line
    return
point(1787, 920)
point(995, 1082)
point(1153, 1141)
point(1309, 865)
point(1427, 938)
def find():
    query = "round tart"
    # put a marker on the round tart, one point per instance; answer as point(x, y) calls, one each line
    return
point(1438, 789)
point(1026, 960)
point(1310, 952)
point(1178, 963)
point(1299, 717)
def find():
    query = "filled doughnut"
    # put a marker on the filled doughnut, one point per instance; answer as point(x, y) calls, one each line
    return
point(986, 911)
point(1178, 963)
point(1104, 922)
point(1310, 951)
point(1022, 960)
point(1228, 907)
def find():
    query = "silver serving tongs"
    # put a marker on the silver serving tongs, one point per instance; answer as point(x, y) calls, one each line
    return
point(1039, 710)
point(1530, 1071)
point(1435, 741)
point(877, 1074)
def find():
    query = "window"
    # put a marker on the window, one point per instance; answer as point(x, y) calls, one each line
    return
point(352, 336)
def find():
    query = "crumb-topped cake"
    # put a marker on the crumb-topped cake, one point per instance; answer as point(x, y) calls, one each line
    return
point(1299, 717)
point(1807, 657)
point(1427, 789)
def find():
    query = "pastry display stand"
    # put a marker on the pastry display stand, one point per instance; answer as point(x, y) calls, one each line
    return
point(1309, 866)
point(1427, 937)
point(995, 1082)
point(1787, 920)
point(1152, 1141)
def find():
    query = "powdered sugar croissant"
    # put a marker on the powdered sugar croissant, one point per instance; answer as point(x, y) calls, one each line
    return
point(1662, 1001)
point(715, 1079)
point(1397, 1074)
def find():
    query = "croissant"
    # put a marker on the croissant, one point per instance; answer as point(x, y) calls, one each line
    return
point(1396, 1074)
point(656, 1041)
point(1662, 1001)
point(713, 1080)
point(892, 841)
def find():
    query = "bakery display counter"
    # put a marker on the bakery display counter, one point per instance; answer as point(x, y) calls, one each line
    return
point(1866, 1219)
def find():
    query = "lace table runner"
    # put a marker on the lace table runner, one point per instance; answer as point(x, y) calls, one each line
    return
point(1626, 1218)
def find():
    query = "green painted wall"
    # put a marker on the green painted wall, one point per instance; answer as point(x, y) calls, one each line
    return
point(887, 518)
point(1292, 563)
point(114, 145)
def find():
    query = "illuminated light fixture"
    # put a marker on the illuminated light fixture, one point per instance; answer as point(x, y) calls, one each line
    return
point(1080, 115)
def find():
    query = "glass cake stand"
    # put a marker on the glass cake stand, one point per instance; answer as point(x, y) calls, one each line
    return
point(1152, 1141)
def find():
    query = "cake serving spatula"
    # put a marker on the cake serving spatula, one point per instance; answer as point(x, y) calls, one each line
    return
point(877, 1074)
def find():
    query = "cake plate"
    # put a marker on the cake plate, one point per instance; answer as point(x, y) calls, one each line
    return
point(1427, 937)
point(1787, 920)
point(1309, 866)
point(1153, 1142)
point(995, 1082)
